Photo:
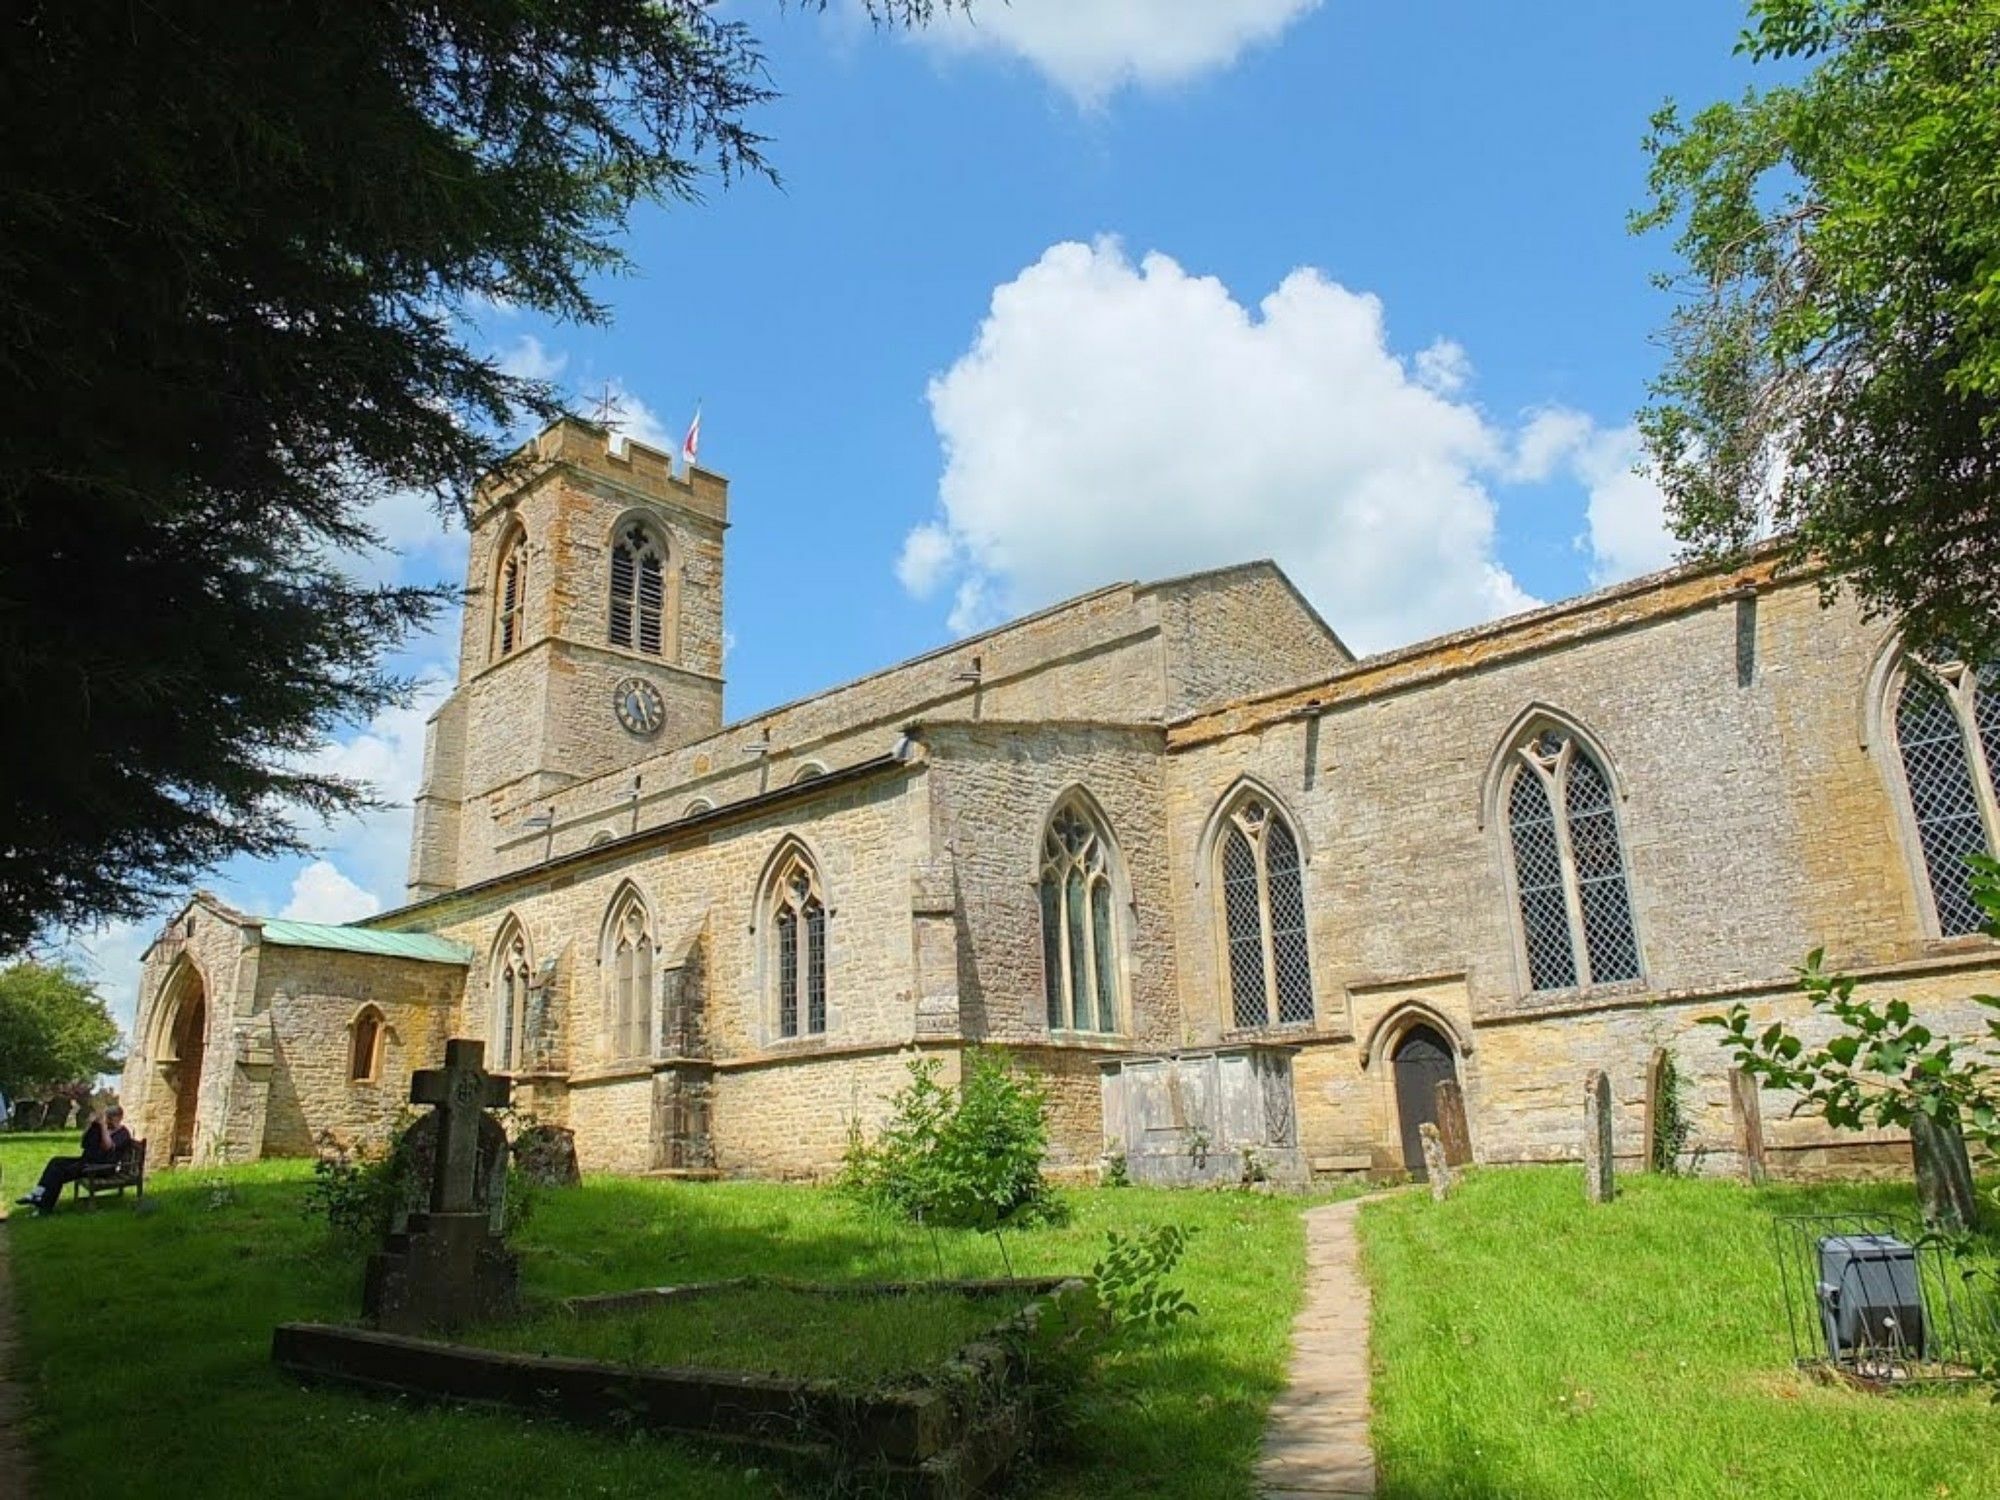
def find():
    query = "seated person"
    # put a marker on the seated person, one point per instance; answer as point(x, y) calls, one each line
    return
point(105, 1140)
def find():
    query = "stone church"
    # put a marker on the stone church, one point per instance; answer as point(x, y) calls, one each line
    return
point(1237, 897)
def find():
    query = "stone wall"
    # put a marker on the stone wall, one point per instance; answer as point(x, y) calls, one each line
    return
point(789, 1118)
point(1758, 818)
point(1236, 632)
point(313, 997)
point(204, 952)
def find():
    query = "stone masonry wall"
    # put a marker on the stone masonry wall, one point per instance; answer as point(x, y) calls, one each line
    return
point(313, 997)
point(1754, 822)
point(1239, 631)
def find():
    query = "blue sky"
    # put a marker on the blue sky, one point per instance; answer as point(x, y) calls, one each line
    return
point(1094, 289)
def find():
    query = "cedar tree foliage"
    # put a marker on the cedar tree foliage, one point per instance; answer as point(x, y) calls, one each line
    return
point(234, 241)
point(1833, 364)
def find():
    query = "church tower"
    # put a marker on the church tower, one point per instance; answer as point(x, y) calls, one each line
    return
point(591, 640)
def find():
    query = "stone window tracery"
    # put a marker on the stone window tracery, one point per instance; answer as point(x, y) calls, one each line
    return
point(364, 1056)
point(510, 603)
point(1948, 735)
point(798, 957)
point(628, 960)
point(1570, 887)
point(1264, 917)
point(638, 591)
point(512, 975)
point(1080, 968)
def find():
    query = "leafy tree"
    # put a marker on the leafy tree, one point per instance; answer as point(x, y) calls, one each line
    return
point(234, 241)
point(54, 1029)
point(1834, 362)
point(1879, 1066)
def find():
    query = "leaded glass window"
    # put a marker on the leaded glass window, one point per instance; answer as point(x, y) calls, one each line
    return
point(511, 596)
point(798, 958)
point(511, 974)
point(1080, 969)
point(1948, 730)
point(629, 941)
point(1569, 866)
point(1264, 918)
point(638, 591)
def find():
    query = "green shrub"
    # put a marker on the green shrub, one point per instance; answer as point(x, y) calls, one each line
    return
point(969, 1158)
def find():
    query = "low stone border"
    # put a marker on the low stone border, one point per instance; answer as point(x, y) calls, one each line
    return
point(947, 1434)
point(602, 1304)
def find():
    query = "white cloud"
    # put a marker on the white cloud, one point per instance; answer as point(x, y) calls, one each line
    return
point(527, 359)
point(320, 893)
point(1120, 420)
point(373, 848)
point(1091, 48)
point(1626, 517)
point(1443, 367)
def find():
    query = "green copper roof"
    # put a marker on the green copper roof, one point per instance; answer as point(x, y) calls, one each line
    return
point(421, 946)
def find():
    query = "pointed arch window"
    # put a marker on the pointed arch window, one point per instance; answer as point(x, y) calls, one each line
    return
point(1080, 968)
point(510, 595)
point(364, 1053)
point(798, 937)
point(1570, 885)
point(1264, 917)
point(628, 962)
point(512, 974)
point(638, 591)
point(1948, 735)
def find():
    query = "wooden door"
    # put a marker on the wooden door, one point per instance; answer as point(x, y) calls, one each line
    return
point(1423, 1061)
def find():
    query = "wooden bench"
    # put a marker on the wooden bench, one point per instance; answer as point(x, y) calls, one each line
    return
point(129, 1171)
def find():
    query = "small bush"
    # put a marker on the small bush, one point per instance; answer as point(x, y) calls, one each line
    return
point(969, 1158)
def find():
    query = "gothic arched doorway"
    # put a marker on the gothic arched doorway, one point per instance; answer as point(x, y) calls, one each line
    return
point(187, 1042)
point(1423, 1061)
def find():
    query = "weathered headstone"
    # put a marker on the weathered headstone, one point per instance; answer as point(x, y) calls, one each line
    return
point(546, 1155)
point(1436, 1166)
point(1656, 1080)
point(1451, 1123)
point(28, 1114)
point(448, 1268)
point(1944, 1174)
point(1749, 1117)
point(1598, 1181)
point(55, 1114)
point(418, 1150)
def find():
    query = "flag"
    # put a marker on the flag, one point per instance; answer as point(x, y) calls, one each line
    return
point(693, 438)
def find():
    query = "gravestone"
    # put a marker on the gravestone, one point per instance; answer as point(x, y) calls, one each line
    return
point(1656, 1080)
point(1944, 1174)
point(55, 1114)
point(1598, 1177)
point(1436, 1164)
point(1451, 1123)
point(28, 1114)
point(418, 1150)
point(448, 1267)
point(546, 1155)
point(1749, 1117)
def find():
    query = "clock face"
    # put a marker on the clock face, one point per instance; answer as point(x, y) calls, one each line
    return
point(639, 706)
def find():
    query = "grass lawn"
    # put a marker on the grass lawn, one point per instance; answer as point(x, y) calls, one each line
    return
point(147, 1336)
point(1528, 1344)
point(770, 1330)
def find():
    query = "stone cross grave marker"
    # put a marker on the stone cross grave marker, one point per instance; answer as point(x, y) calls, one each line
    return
point(461, 1091)
point(1597, 1165)
point(1436, 1165)
point(447, 1268)
point(1452, 1128)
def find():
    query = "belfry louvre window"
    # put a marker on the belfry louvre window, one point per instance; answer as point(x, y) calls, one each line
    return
point(1948, 732)
point(1264, 916)
point(798, 924)
point(510, 605)
point(629, 940)
point(638, 592)
point(1569, 866)
point(1080, 966)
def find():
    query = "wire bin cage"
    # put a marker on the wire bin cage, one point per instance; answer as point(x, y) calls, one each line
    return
point(1876, 1299)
